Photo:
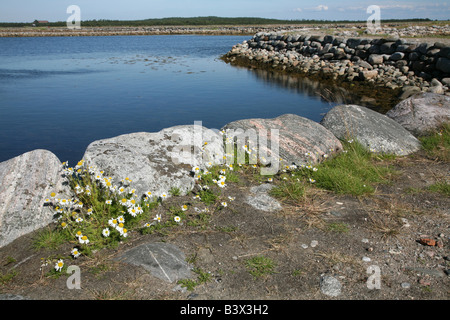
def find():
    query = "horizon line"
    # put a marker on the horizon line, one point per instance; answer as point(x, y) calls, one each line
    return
point(231, 18)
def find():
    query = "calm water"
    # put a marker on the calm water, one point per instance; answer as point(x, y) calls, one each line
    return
point(62, 93)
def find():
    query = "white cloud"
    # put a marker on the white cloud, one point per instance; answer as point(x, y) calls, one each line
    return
point(320, 7)
point(397, 6)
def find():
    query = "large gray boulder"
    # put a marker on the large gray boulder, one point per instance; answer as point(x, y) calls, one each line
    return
point(373, 130)
point(422, 113)
point(300, 140)
point(25, 182)
point(158, 161)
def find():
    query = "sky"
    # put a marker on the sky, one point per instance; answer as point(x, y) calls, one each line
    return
point(56, 10)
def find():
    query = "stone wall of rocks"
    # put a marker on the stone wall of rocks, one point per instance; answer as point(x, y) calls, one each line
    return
point(412, 66)
point(139, 31)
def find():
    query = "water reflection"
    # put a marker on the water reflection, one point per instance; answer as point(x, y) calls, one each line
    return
point(325, 91)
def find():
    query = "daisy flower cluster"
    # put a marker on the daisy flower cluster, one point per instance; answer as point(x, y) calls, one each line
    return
point(96, 212)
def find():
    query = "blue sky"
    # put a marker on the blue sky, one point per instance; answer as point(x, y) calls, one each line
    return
point(55, 10)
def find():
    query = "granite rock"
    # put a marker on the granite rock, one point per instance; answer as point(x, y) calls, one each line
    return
point(25, 182)
point(300, 140)
point(373, 130)
point(422, 113)
point(159, 161)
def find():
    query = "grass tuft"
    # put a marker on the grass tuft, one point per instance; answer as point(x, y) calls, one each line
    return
point(260, 266)
point(351, 172)
point(437, 144)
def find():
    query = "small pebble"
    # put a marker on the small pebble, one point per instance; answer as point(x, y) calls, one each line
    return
point(365, 240)
point(366, 259)
point(314, 243)
point(304, 246)
point(406, 285)
point(425, 282)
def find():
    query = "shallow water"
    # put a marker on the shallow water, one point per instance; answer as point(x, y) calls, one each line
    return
point(62, 93)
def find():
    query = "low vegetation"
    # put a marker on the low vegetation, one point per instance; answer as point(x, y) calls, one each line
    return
point(437, 144)
point(104, 214)
point(193, 21)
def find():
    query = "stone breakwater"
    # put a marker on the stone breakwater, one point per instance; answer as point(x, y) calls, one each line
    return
point(412, 66)
point(153, 30)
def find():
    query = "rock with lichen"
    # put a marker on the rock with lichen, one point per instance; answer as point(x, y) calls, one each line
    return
point(25, 183)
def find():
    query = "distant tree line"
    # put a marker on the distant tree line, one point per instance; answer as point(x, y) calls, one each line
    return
point(195, 21)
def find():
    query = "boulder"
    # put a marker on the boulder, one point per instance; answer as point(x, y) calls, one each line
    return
point(300, 140)
point(375, 59)
point(387, 47)
point(408, 91)
point(422, 113)
point(330, 286)
point(372, 129)
point(25, 182)
point(157, 161)
point(162, 260)
point(368, 74)
point(443, 65)
point(397, 56)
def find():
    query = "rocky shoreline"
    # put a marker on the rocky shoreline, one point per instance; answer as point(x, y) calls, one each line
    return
point(163, 160)
point(411, 66)
point(257, 224)
point(141, 31)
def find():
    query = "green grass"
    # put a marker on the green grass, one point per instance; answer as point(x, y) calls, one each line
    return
point(338, 227)
point(207, 197)
point(200, 221)
point(352, 172)
point(5, 278)
point(50, 239)
point(441, 187)
point(190, 284)
point(260, 266)
point(174, 191)
point(289, 190)
point(437, 144)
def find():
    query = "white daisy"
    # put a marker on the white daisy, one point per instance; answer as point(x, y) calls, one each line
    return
point(75, 252)
point(59, 265)
point(84, 240)
point(106, 232)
